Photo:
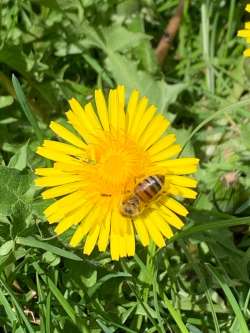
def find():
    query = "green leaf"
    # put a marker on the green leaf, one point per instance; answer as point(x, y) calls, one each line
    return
point(231, 299)
point(118, 38)
point(6, 101)
point(8, 309)
point(14, 58)
point(158, 91)
point(220, 224)
point(6, 248)
point(25, 107)
point(18, 308)
point(175, 315)
point(13, 185)
point(19, 159)
point(32, 242)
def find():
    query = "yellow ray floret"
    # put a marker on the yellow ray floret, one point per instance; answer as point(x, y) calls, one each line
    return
point(111, 151)
point(245, 33)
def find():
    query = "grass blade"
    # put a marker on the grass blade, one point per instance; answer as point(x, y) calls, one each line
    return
point(156, 303)
point(226, 109)
point(231, 299)
point(175, 315)
point(17, 306)
point(8, 309)
point(32, 242)
point(57, 293)
point(60, 298)
point(210, 226)
point(25, 107)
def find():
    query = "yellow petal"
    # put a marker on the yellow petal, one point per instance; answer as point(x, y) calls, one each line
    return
point(167, 153)
point(181, 181)
point(66, 204)
point(91, 119)
point(72, 168)
point(55, 155)
point(243, 33)
point(175, 206)
point(67, 135)
point(162, 144)
point(72, 219)
point(92, 219)
point(132, 108)
point(161, 224)
point(86, 119)
point(182, 191)
point(122, 246)
point(157, 127)
point(91, 239)
point(121, 103)
point(114, 239)
point(246, 53)
point(102, 109)
point(113, 110)
point(123, 233)
point(57, 180)
point(140, 111)
point(247, 8)
point(79, 126)
point(58, 191)
point(76, 108)
point(171, 217)
point(154, 232)
point(64, 147)
point(104, 234)
point(130, 238)
point(180, 166)
point(145, 121)
point(48, 172)
point(141, 231)
point(247, 25)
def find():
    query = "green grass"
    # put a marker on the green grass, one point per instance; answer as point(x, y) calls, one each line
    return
point(53, 50)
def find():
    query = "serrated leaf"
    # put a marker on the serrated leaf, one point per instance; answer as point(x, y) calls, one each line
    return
point(13, 185)
point(118, 38)
point(158, 91)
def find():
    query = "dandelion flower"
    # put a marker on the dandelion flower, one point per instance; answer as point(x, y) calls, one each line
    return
point(110, 150)
point(245, 33)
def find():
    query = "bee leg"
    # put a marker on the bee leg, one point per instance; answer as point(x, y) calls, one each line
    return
point(106, 195)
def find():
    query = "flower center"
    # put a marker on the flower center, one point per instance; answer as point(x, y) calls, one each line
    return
point(119, 162)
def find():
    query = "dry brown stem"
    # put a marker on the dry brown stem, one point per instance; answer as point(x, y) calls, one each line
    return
point(169, 34)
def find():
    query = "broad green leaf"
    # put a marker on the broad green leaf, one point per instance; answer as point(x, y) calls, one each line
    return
point(6, 101)
point(158, 91)
point(19, 159)
point(117, 38)
point(14, 58)
point(6, 248)
point(13, 185)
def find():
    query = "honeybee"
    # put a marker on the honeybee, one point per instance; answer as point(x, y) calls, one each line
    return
point(144, 192)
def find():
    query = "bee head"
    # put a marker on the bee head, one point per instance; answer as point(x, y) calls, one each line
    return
point(131, 207)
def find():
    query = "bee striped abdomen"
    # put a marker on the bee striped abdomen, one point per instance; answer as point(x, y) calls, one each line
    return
point(149, 188)
point(144, 192)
